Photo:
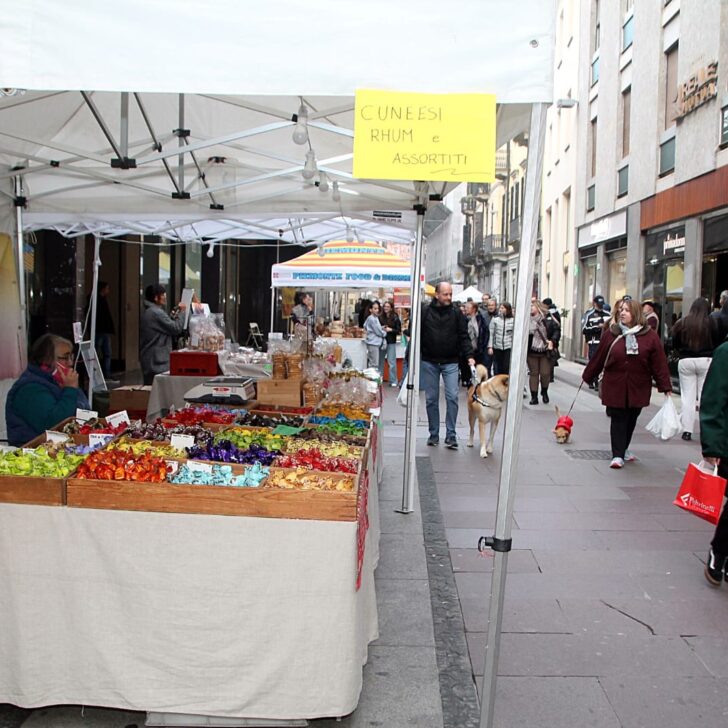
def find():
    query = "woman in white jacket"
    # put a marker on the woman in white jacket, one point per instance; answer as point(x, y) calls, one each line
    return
point(501, 339)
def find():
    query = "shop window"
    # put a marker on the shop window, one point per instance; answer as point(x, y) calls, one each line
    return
point(724, 126)
point(627, 33)
point(626, 118)
point(623, 181)
point(590, 197)
point(617, 265)
point(595, 71)
point(667, 157)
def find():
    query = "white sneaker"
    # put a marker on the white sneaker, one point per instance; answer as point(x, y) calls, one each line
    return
point(394, 384)
point(629, 457)
point(616, 464)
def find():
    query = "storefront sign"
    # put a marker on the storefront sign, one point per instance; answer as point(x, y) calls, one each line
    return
point(673, 244)
point(606, 228)
point(413, 136)
point(697, 90)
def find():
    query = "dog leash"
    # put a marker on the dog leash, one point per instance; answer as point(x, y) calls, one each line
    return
point(575, 396)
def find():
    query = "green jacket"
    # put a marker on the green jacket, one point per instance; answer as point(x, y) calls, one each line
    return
point(714, 406)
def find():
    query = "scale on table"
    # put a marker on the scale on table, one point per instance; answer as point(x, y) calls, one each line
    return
point(222, 390)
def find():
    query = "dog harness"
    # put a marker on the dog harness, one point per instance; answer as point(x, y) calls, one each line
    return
point(483, 402)
point(565, 422)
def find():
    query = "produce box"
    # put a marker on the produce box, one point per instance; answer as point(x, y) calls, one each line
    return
point(193, 364)
point(28, 490)
point(279, 391)
point(133, 399)
point(261, 502)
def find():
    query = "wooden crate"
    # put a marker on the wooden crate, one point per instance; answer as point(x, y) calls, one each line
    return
point(279, 391)
point(30, 490)
point(260, 502)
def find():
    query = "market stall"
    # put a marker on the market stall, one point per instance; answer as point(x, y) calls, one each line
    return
point(219, 562)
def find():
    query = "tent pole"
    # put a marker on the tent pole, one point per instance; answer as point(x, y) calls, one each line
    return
point(501, 542)
point(94, 305)
point(410, 443)
point(272, 308)
point(20, 245)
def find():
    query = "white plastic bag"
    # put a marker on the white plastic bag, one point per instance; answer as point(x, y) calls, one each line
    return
point(402, 396)
point(666, 423)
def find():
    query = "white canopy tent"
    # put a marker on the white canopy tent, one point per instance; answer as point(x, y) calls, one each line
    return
point(471, 292)
point(159, 83)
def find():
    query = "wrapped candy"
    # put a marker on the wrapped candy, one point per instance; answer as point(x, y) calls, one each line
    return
point(39, 463)
point(115, 464)
point(157, 449)
point(198, 415)
point(341, 425)
point(188, 474)
point(95, 426)
point(301, 479)
point(331, 449)
point(254, 419)
point(243, 438)
point(226, 452)
point(159, 432)
point(315, 460)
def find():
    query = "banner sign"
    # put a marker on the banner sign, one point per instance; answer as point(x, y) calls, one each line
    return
point(412, 136)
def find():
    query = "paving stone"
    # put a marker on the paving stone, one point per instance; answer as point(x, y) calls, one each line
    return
point(589, 522)
point(667, 702)
point(651, 540)
point(402, 556)
point(519, 615)
point(591, 655)
point(566, 702)
point(390, 521)
point(712, 652)
point(682, 521)
point(470, 519)
point(571, 492)
point(542, 505)
point(405, 617)
point(616, 562)
point(519, 561)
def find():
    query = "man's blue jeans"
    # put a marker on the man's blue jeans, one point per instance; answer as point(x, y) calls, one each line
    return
point(430, 381)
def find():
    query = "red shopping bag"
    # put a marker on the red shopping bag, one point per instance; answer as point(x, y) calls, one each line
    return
point(701, 493)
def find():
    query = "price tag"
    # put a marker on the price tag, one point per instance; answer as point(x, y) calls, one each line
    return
point(181, 442)
point(376, 411)
point(85, 415)
point(28, 451)
point(77, 332)
point(118, 418)
point(173, 466)
point(200, 467)
point(96, 438)
point(52, 436)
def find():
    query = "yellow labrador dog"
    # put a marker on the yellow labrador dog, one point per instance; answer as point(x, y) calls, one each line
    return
point(486, 399)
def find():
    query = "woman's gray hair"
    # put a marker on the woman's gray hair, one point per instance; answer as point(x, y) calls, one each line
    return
point(43, 350)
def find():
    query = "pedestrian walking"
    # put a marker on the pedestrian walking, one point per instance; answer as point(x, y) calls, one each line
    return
point(553, 309)
point(651, 317)
point(593, 323)
point(630, 355)
point(553, 355)
point(479, 336)
point(375, 336)
point(444, 338)
point(694, 337)
point(714, 446)
point(501, 339)
point(392, 322)
point(721, 315)
point(543, 337)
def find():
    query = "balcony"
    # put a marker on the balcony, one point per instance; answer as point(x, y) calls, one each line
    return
point(493, 248)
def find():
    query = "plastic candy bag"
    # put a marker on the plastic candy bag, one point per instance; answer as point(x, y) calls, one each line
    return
point(666, 423)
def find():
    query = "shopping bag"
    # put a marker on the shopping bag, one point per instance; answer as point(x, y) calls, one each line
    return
point(701, 492)
point(402, 396)
point(666, 423)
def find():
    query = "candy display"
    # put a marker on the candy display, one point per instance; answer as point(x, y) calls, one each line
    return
point(301, 479)
point(96, 426)
point(115, 464)
point(243, 438)
point(159, 432)
point(225, 452)
point(336, 408)
point(39, 463)
point(330, 449)
point(188, 474)
point(283, 410)
point(157, 449)
point(315, 460)
point(257, 419)
point(198, 415)
point(316, 433)
point(341, 425)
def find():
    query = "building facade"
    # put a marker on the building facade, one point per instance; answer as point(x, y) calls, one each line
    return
point(651, 191)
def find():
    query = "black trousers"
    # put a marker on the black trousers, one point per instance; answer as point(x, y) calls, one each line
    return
point(720, 539)
point(623, 421)
point(501, 361)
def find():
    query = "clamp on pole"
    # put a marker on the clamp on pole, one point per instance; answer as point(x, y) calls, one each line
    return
point(503, 545)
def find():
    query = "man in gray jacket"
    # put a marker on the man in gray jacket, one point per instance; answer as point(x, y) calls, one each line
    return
point(158, 332)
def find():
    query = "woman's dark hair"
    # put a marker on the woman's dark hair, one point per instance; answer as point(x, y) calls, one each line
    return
point(695, 327)
point(509, 309)
point(299, 296)
point(152, 291)
point(43, 350)
point(377, 304)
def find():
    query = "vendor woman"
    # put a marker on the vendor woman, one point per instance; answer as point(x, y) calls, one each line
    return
point(46, 393)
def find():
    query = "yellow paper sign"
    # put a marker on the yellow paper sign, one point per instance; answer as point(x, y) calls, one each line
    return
point(439, 137)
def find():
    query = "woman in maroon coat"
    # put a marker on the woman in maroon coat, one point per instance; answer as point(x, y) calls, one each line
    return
point(631, 355)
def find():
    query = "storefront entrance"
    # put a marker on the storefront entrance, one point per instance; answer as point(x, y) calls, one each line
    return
point(714, 278)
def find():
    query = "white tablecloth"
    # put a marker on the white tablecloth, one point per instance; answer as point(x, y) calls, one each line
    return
point(208, 615)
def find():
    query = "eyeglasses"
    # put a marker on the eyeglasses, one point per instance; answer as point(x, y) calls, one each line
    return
point(66, 357)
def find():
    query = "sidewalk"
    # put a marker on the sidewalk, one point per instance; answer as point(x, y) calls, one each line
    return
point(608, 619)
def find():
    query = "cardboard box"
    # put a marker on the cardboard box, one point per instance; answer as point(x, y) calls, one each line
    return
point(132, 398)
point(279, 391)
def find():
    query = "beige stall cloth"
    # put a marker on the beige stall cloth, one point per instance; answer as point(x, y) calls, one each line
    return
point(209, 615)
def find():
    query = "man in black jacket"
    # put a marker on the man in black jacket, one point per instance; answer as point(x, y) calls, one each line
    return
point(594, 320)
point(444, 340)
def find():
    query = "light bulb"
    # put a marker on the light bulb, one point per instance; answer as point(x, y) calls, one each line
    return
point(211, 250)
point(349, 235)
point(323, 182)
point(336, 195)
point(309, 168)
point(300, 132)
